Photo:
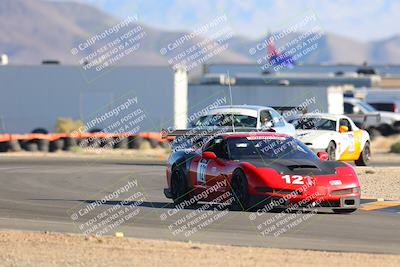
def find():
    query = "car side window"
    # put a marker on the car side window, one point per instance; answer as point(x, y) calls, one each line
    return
point(277, 119)
point(219, 147)
point(348, 108)
point(345, 122)
point(265, 117)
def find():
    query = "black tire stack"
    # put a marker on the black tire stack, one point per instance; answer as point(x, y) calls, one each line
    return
point(134, 142)
point(56, 145)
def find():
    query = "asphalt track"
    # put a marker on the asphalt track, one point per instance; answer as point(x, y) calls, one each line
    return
point(44, 194)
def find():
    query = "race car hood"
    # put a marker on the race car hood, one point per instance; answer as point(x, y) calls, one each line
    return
point(310, 175)
point(307, 136)
point(298, 166)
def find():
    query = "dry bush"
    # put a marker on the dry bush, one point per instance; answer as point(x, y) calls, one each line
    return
point(67, 125)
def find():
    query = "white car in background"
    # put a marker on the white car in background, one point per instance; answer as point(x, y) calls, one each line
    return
point(245, 117)
point(335, 134)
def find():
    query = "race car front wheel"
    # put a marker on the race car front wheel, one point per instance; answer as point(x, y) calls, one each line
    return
point(239, 190)
point(365, 156)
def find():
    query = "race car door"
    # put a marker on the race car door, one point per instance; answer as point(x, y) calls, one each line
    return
point(347, 149)
point(211, 172)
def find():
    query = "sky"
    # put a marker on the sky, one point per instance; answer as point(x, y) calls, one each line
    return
point(363, 20)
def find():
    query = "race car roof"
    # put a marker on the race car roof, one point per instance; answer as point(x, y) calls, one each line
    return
point(249, 110)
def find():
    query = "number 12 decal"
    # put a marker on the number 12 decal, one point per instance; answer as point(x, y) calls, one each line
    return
point(293, 179)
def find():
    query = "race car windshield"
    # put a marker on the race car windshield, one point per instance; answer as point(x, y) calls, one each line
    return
point(314, 124)
point(268, 149)
point(226, 120)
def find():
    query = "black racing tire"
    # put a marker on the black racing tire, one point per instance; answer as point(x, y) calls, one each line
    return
point(331, 150)
point(179, 187)
point(107, 143)
point(163, 144)
point(14, 146)
point(4, 146)
point(56, 145)
point(121, 143)
point(153, 142)
point(239, 191)
point(43, 145)
point(135, 142)
point(83, 142)
point(344, 211)
point(94, 143)
point(95, 130)
point(40, 131)
point(365, 156)
point(31, 146)
point(68, 143)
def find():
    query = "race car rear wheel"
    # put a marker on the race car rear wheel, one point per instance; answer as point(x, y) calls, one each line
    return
point(179, 187)
point(343, 211)
point(331, 150)
point(239, 190)
point(365, 156)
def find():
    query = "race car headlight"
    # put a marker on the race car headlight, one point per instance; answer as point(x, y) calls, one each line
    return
point(341, 192)
point(356, 190)
point(346, 191)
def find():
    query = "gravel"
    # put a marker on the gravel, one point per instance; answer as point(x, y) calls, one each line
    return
point(380, 182)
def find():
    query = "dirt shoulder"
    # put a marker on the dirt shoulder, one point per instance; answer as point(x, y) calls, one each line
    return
point(379, 182)
point(55, 249)
point(382, 144)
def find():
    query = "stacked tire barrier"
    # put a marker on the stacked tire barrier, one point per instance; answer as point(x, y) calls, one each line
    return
point(53, 142)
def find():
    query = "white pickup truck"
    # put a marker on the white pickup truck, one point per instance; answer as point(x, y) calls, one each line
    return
point(375, 122)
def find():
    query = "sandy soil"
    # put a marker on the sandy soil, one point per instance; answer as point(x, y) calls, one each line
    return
point(379, 182)
point(54, 249)
point(382, 144)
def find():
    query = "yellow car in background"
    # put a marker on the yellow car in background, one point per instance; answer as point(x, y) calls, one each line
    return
point(335, 134)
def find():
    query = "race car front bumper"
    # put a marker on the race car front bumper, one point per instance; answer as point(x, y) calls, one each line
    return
point(274, 202)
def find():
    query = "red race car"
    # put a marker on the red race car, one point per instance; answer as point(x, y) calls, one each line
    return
point(270, 169)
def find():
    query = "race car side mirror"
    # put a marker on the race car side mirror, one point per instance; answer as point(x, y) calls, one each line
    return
point(343, 129)
point(209, 155)
point(322, 155)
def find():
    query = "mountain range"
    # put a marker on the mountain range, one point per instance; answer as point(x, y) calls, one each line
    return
point(36, 30)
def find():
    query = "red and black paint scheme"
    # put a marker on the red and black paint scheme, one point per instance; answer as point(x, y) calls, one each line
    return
point(262, 168)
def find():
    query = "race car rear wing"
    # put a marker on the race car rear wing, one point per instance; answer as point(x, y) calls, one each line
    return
point(365, 121)
point(170, 133)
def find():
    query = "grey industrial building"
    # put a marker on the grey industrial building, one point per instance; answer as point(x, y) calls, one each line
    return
point(35, 96)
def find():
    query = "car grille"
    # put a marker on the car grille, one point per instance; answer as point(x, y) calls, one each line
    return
point(342, 192)
point(286, 191)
